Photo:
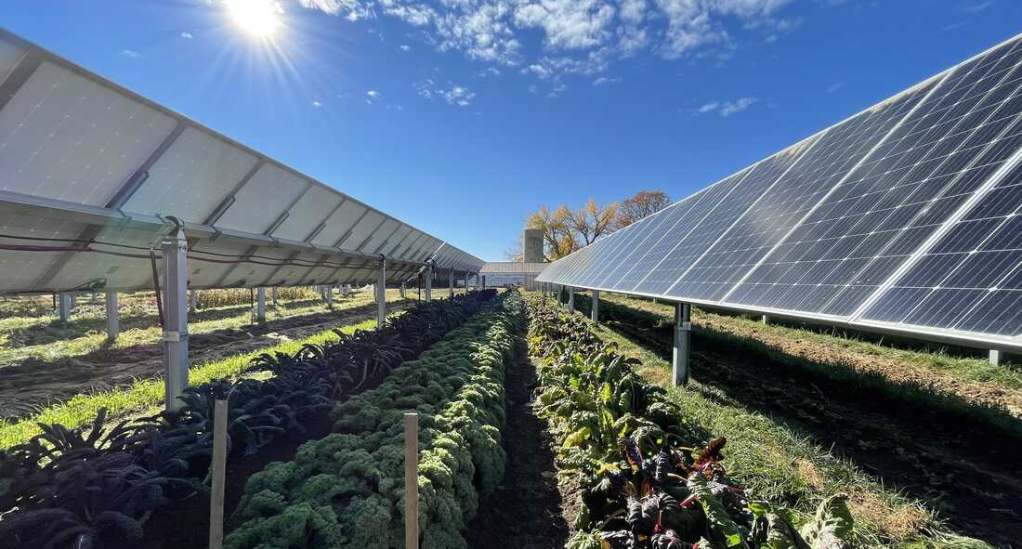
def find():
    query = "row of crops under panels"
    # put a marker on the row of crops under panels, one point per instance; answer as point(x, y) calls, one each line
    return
point(316, 459)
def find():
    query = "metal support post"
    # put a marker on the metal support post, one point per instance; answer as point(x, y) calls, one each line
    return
point(175, 323)
point(596, 306)
point(765, 319)
point(466, 282)
point(64, 302)
point(450, 283)
point(260, 305)
point(682, 333)
point(381, 294)
point(402, 290)
point(429, 284)
point(996, 356)
point(328, 296)
point(571, 300)
point(193, 301)
point(273, 295)
point(113, 321)
point(482, 281)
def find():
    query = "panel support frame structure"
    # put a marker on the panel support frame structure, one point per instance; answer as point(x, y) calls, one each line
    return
point(175, 323)
point(682, 343)
point(260, 305)
point(571, 300)
point(996, 357)
point(113, 320)
point(428, 290)
point(64, 306)
point(594, 313)
point(381, 294)
point(450, 283)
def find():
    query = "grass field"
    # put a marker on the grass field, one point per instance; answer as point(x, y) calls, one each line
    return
point(29, 332)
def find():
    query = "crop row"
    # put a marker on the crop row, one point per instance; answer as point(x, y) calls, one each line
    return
point(649, 479)
point(346, 490)
point(96, 486)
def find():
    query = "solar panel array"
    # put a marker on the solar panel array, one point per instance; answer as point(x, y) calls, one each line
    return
point(904, 217)
point(92, 176)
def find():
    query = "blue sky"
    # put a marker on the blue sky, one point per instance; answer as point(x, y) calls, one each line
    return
point(461, 116)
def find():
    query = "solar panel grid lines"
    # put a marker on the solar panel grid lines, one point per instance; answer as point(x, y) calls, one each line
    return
point(754, 186)
point(630, 250)
point(970, 166)
point(659, 277)
point(867, 230)
point(759, 286)
point(602, 255)
point(970, 258)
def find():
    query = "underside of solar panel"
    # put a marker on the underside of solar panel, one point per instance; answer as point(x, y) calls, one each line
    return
point(902, 218)
point(93, 176)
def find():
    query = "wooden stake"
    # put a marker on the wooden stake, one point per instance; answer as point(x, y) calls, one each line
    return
point(219, 466)
point(411, 481)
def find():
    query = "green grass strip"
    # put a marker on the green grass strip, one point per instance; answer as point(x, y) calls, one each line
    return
point(147, 393)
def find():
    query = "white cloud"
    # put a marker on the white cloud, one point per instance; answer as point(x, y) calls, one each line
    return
point(405, 47)
point(557, 90)
point(603, 80)
point(833, 88)
point(187, 35)
point(578, 36)
point(568, 24)
point(727, 108)
point(734, 107)
point(317, 104)
point(132, 54)
point(489, 72)
point(454, 95)
point(372, 94)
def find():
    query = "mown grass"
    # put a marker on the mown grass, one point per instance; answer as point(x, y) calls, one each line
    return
point(940, 359)
point(783, 465)
point(43, 338)
point(148, 393)
point(878, 381)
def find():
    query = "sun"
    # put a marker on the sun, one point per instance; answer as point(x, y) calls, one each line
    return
point(260, 18)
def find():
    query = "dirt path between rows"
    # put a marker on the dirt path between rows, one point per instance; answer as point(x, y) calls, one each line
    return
point(970, 477)
point(26, 387)
point(527, 511)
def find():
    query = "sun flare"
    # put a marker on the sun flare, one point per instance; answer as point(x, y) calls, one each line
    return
point(260, 18)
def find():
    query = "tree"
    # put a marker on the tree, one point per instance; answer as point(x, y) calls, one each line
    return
point(642, 204)
point(591, 221)
point(558, 236)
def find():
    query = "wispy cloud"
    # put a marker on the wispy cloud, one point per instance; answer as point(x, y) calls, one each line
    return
point(727, 108)
point(187, 35)
point(604, 80)
point(580, 37)
point(975, 6)
point(454, 95)
point(317, 104)
point(405, 47)
point(372, 95)
point(557, 91)
point(131, 54)
point(835, 87)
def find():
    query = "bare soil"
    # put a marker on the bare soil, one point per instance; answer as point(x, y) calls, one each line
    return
point(26, 387)
point(528, 510)
point(971, 478)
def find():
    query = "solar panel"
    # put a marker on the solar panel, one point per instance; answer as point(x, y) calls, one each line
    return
point(904, 217)
point(96, 175)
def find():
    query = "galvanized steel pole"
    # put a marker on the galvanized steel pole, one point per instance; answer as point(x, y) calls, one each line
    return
point(595, 312)
point(682, 342)
point(175, 325)
point(261, 305)
point(381, 294)
point(113, 320)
